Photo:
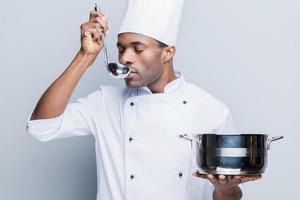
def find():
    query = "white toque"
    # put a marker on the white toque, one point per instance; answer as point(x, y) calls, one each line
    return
point(158, 19)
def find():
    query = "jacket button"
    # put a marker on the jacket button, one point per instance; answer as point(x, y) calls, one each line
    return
point(130, 139)
point(131, 103)
point(184, 102)
point(132, 176)
point(180, 174)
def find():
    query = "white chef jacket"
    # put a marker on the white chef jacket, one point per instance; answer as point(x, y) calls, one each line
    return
point(139, 154)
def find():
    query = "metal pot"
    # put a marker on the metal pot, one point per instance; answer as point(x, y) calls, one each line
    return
point(231, 154)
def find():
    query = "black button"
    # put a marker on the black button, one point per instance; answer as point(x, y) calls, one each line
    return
point(184, 102)
point(131, 103)
point(180, 174)
point(132, 176)
point(130, 139)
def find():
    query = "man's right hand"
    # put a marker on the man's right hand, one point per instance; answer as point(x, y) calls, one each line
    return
point(92, 33)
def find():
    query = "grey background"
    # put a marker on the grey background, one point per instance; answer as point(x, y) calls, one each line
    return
point(245, 53)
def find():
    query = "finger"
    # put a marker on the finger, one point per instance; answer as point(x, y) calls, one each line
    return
point(222, 179)
point(250, 178)
point(92, 25)
point(86, 34)
point(103, 24)
point(233, 181)
point(213, 178)
point(92, 28)
point(103, 17)
point(96, 36)
point(100, 42)
point(197, 174)
point(237, 179)
point(94, 14)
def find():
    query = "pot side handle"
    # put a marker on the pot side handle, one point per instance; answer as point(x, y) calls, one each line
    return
point(271, 139)
point(185, 137)
point(190, 138)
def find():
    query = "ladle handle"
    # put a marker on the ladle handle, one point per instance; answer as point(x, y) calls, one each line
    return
point(105, 52)
point(97, 8)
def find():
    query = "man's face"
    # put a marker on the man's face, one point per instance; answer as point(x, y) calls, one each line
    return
point(142, 55)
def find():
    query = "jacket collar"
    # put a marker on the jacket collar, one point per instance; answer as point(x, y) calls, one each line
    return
point(171, 87)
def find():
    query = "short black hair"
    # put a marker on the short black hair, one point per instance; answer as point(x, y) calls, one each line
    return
point(161, 44)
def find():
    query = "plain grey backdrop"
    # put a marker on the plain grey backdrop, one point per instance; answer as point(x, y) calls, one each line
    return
point(245, 53)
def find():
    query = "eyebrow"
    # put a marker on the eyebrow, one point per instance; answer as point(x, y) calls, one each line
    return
point(132, 43)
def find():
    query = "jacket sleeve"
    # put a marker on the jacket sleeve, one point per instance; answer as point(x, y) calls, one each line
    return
point(76, 120)
point(227, 125)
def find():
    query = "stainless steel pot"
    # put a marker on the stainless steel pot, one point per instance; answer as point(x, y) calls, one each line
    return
point(231, 154)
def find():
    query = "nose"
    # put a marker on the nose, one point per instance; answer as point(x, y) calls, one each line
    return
point(126, 58)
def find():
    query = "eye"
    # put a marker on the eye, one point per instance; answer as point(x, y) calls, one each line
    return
point(139, 49)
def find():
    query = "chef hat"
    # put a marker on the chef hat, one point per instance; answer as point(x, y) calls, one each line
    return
point(158, 19)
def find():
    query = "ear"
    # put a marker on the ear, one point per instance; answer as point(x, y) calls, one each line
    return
point(168, 54)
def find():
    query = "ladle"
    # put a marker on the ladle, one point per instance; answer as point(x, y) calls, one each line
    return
point(116, 70)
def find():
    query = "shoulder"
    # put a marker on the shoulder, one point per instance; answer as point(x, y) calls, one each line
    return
point(210, 107)
point(107, 95)
point(104, 92)
point(113, 92)
point(204, 98)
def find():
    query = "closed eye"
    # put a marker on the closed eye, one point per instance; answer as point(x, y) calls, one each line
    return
point(139, 50)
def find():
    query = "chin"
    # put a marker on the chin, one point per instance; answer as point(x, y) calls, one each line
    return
point(132, 84)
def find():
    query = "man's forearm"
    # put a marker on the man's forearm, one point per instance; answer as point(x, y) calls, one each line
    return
point(234, 194)
point(54, 100)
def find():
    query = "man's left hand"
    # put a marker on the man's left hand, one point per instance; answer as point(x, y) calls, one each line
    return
point(227, 186)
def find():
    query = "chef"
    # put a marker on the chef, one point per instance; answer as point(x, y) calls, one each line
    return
point(139, 154)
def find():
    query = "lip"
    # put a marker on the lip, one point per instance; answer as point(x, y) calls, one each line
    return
point(132, 75)
point(132, 70)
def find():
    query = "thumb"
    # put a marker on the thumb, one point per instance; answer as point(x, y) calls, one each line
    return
point(86, 34)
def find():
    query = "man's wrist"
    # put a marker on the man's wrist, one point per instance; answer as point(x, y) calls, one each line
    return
point(87, 59)
point(230, 193)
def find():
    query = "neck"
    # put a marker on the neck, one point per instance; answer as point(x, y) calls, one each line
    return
point(166, 77)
